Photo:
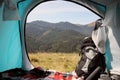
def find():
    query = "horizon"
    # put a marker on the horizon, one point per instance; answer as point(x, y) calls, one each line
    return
point(61, 11)
point(60, 22)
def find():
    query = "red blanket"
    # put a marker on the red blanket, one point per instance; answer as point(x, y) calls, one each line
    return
point(36, 74)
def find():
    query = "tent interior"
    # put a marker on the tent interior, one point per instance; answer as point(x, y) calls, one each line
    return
point(13, 15)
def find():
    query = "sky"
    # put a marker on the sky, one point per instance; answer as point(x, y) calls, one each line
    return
point(61, 11)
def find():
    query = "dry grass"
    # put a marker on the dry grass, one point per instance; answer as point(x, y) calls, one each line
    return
point(62, 62)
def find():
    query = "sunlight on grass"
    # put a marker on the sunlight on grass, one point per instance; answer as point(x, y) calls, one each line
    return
point(63, 62)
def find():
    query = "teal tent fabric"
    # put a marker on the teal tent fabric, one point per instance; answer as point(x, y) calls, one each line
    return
point(23, 7)
point(13, 54)
point(10, 45)
point(108, 55)
point(112, 22)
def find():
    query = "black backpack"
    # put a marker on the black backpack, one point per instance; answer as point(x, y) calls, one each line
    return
point(97, 60)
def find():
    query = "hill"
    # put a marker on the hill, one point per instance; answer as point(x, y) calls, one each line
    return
point(55, 37)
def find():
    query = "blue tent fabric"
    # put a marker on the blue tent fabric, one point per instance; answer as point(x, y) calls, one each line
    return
point(111, 20)
point(108, 55)
point(12, 48)
point(10, 45)
point(23, 7)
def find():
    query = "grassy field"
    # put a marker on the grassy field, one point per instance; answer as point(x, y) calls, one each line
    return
point(62, 62)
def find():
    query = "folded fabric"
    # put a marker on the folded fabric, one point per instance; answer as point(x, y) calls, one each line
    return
point(10, 10)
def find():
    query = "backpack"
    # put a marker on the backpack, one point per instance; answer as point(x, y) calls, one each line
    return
point(91, 58)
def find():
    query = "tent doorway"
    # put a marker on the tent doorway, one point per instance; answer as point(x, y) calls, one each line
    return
point(57, 37)
point(12, 31)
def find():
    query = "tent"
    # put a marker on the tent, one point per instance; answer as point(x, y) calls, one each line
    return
point(13, 15)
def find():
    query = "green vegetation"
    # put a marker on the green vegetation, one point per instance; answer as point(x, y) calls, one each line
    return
point(56, 61)
point(55, 41)
point(59, 40)
point(55, 37)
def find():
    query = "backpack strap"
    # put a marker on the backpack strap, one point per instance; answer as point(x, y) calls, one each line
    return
point(96, 51)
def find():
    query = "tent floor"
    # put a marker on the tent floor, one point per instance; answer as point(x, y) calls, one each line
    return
point(35, 74)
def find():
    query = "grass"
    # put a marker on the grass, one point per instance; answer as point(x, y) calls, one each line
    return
point(62, 62)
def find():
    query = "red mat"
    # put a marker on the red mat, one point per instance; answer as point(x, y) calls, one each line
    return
point(36, 74)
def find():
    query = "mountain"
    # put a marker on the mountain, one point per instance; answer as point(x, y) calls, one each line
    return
point(91, 24)
point(42, 25)
point(55, 37)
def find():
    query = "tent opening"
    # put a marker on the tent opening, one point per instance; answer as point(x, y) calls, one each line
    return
point(12, 30)
point(53, 34)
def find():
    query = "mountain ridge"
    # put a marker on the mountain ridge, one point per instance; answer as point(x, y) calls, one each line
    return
point(43, 36)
